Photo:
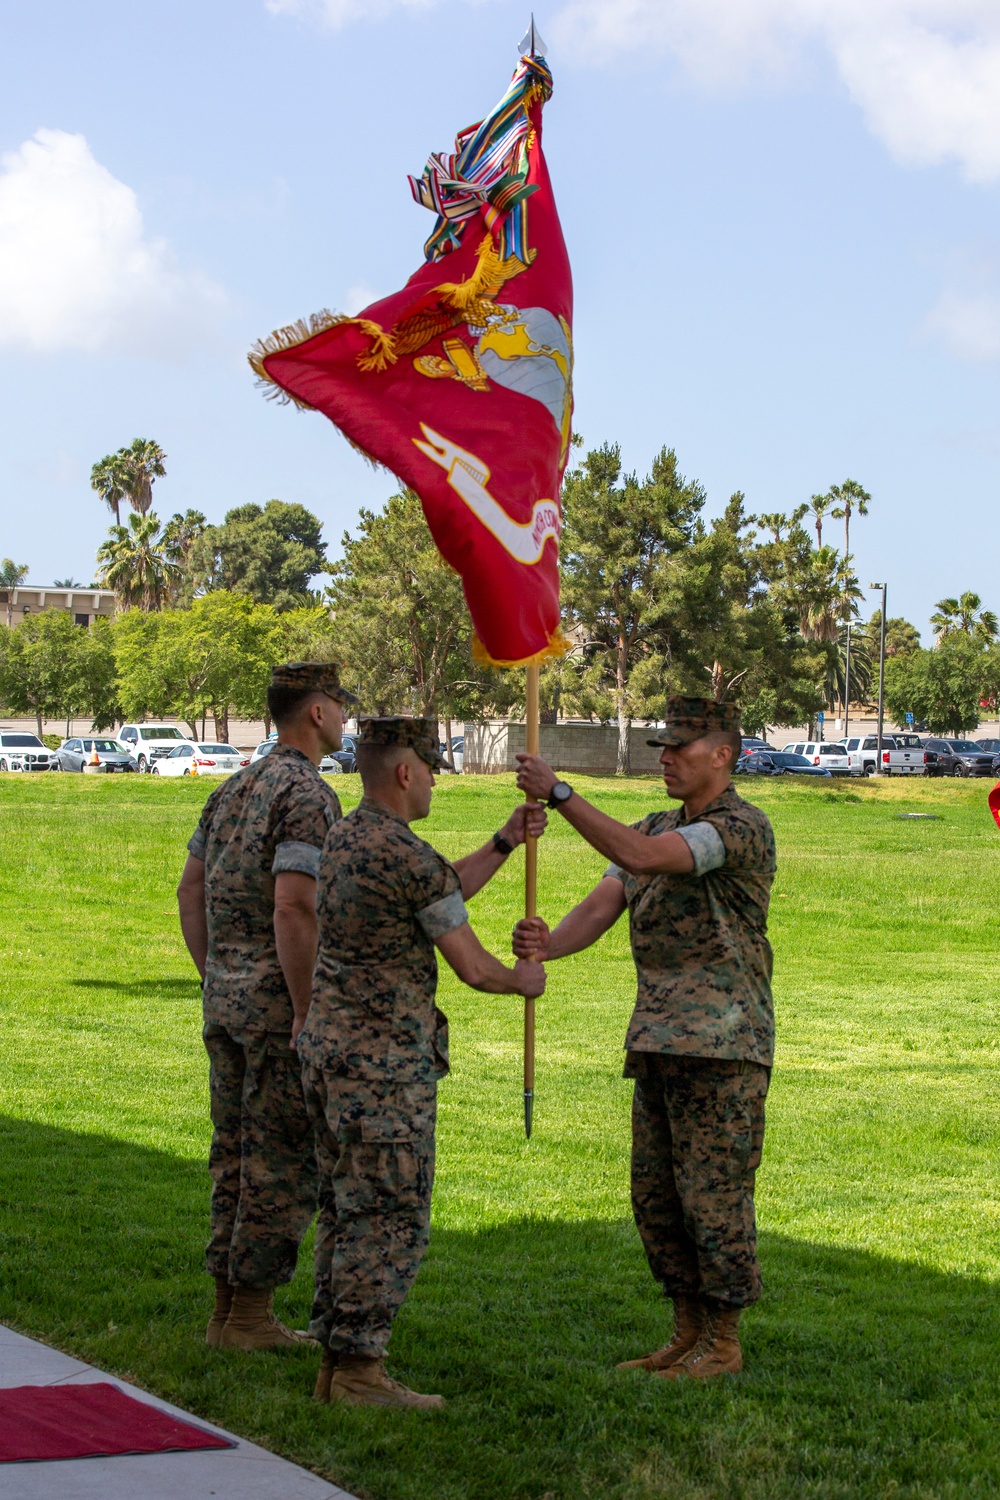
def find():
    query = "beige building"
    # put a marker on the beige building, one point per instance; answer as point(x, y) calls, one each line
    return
point(83, 604)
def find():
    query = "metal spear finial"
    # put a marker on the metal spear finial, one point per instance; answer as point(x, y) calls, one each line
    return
point(531, 44)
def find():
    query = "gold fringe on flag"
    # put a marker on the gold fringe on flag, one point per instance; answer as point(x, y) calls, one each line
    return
point(557, 646)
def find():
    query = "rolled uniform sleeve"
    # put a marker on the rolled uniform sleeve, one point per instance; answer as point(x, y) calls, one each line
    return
point(196, 843)
point(443, 916)
point(707, 848)
point(301, 829)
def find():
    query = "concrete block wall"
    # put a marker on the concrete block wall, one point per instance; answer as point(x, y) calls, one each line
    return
point(581, 748)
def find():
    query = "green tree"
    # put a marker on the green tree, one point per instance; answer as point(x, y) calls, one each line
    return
point(943, 687)
point(818, 508)
point(848, 498)
point(129, 475)
point(11, 575)
point(270, 552)
point(901, 638)
point(619, 534)
point(135, 563)
point(213, 658)
point(401, 620)
point(964, 616)
point(180, 534)
point(41, 668)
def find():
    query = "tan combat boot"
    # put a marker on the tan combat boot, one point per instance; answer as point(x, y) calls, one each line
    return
point(689, 1316)
point(359, 1381)
point(223, 1302)
point(252, 1325)
point(329, 1362)
point(717, 1351)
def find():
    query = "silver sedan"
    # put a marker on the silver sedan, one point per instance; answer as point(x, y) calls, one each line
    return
point(73, 755)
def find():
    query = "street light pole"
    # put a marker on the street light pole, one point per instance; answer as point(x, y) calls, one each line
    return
point(881, 677)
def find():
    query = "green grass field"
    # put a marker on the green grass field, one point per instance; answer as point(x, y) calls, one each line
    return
point(871, 1364)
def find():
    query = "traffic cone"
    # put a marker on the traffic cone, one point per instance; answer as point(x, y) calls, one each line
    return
point(93, 763)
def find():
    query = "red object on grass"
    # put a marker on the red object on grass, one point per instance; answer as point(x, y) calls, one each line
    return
point(44, 1422)
point(461, 383)
point(995, 803)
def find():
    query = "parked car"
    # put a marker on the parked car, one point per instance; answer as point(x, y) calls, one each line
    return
point(454, 753)
point(956, 758)
point(779, 763)
point(993, 746)
point(751, 743)
point(832, 754)
point(329, 765)
point(151, 742)
point(345, 755)
point(209, 759)
point(73, 755)
point(902, 754)
point(25, 752)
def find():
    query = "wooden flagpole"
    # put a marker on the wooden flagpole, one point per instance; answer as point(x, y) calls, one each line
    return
point(530, 901)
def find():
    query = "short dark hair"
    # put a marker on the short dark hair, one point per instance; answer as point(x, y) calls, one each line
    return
point(376, 761)
point(284, 703)
point(733, 740)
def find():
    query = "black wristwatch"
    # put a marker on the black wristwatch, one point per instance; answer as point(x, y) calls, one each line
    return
point(502, 846)
point(560, 794)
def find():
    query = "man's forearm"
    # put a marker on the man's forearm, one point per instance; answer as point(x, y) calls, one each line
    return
point(580, 928)
point(634, 851)
point(478, 868)
point(296, 933)
point(194, 927)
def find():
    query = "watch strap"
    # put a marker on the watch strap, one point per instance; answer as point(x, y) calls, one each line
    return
point(501, 845)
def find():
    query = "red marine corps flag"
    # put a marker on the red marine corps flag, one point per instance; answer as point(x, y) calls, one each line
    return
point(461, 383)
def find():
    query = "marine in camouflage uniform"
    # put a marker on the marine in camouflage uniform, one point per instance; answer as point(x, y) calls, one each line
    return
point(268, 820)
point(373, 1049)
point(700, 1043)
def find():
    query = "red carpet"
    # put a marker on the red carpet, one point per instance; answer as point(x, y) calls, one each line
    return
point(39, 1422)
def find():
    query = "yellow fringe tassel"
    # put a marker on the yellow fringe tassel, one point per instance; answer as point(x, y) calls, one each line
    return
point(558, 646)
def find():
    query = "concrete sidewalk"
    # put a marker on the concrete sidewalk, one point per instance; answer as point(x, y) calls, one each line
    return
point(245, 1472)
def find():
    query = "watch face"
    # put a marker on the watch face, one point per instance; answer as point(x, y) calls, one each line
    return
point(561, 792)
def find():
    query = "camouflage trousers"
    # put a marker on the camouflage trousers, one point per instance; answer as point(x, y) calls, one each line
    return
point(262, 1159)
point(375, 1148)
point(697, 1135)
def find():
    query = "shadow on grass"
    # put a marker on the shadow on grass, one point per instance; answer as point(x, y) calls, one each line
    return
point(864, 1376)
point(139, 986)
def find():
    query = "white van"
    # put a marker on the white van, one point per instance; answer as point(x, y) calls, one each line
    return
point(830, 754)
point(147, 743)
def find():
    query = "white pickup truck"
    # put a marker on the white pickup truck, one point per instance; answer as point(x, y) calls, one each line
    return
point(902, 754)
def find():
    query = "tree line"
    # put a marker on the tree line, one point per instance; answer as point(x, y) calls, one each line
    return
point(656, 599)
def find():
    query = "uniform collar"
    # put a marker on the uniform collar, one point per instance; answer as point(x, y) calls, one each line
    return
point(725, 799)
point(380, 810)
point(281, 749)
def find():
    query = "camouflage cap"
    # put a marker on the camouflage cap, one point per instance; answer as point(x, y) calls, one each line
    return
point(420, 735)
point(312, 677)
point(688, 719)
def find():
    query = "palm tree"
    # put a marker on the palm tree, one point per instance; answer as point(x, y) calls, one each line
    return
point(134, 562)
point(144, 462)
point(819, 505)
point(965, 616)
point(108, 479)
point(129, 475)
point(849, 497)
point(819, 594)
point(11, 574)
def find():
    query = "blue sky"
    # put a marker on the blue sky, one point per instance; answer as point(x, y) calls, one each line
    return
point(782, 216)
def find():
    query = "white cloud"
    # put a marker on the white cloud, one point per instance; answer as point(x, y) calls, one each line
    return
point(338, 13)
point(926, 73)
point(77, 270)
point(968, 326)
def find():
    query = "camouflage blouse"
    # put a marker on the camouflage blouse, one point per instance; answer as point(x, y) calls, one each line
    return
point(385, 896)
point(700, 940)
point(270, 817)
